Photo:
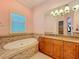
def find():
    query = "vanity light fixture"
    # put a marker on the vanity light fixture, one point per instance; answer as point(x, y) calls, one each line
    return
point(72, 6)
point(67, 9)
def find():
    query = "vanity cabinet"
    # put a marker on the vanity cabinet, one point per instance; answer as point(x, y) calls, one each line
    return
point(41, 44)
point(45, 45)
point(77, 51)
point(51, 47)
point(69, 50)
point(59, 49)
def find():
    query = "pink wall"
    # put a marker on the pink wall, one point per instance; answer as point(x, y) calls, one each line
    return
point(44, 23)
point(8, 6)
point(76, 21)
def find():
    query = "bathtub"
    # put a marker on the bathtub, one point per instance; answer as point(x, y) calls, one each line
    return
point(21, 43)
point(22, 49)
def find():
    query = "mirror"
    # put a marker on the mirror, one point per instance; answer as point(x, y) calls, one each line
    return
point(69, 26)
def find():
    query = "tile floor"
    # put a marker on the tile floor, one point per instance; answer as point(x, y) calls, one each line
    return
point(40, 55)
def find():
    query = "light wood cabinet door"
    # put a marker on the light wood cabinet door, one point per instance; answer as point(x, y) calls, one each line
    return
point(45, 46)
point(41, 44)
point(58, 49)
point(69, 50)
point(77, 51)
point(48, 46)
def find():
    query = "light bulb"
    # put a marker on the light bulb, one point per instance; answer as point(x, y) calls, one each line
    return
point(61, 11)
point(76, 8)
point(56, 13)
point(67, 9)
point(52, 13)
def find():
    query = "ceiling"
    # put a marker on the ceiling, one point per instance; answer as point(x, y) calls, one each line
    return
point(31, 3)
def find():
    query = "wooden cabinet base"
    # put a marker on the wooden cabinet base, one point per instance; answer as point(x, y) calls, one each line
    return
point(59, 49)
point(69, 50)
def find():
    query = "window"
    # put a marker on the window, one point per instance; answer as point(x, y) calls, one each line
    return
point(18, 23)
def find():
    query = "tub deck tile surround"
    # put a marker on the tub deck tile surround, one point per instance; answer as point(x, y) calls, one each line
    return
point(19, 53)
point(2, 51)
point(10, 38)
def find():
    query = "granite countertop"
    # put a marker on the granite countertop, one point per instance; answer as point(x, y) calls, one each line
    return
point(64, 38)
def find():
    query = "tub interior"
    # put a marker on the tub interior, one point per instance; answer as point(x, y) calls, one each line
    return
point(21, 43)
